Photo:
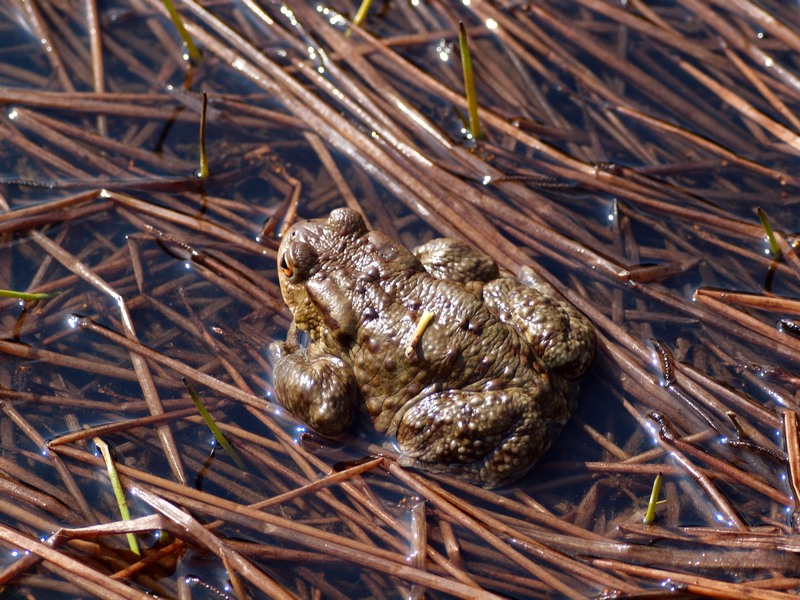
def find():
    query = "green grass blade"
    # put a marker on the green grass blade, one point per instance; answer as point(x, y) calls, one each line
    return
point(650, 515)
point(773, 243)
point(25, 295)
point(203, 156)
point(361, 13)
point(194, 53)
point(218, 435)
point(469, 84)
point(119, 493)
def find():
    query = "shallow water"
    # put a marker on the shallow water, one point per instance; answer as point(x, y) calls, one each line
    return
point(627, 150)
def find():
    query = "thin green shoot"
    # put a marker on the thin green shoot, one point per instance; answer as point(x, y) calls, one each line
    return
point(773, 243)
point(194, 53)
point(461, 117)
point(469, 84)
point(218, 435)
point(119, 493)
point(25, 295)
point(361, 13)
point(650, 515)
point(203, 156)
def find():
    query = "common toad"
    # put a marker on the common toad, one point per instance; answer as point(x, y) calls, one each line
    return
point(469, 368)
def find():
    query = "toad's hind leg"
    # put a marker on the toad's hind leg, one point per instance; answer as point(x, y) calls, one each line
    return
point(488, 437)
point(562, 336)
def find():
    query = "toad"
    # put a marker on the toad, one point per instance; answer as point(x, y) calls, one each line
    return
point(470, 369)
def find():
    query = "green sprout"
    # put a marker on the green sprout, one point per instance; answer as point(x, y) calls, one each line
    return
point(773, 243)
point(469, 84)
point(119, 493)
point(218, 435)
point(194, 53)
point(29, 297)
point(203, 156)
point(650, 515)
point(361, 13)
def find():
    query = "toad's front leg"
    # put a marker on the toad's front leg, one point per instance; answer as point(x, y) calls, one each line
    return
point(319, 389)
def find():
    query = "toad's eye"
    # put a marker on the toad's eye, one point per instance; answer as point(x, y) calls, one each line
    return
point(287, 270)
point(299, 262)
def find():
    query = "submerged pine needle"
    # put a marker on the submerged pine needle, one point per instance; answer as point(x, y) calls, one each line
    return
point(773, 243)
point(218, 435)
point(469, 84)
point(194, 53)
point(119, 493)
